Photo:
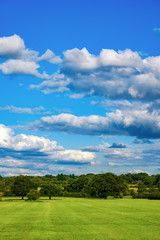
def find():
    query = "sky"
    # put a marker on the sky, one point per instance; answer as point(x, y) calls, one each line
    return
point(79, 87)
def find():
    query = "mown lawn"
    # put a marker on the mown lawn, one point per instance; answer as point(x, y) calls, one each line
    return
point(79, 219)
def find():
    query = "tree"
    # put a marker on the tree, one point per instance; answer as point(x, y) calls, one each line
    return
point(104, 185)
point(49, 189)
point(21, 186)
point(142, 189)
point(33, 195)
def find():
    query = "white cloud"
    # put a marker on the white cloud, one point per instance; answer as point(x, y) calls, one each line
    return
point(20, 171)
point(115, 75)
point(58, 83)
point(17, 66)
point(36, 110)
point(138, 171)
point(112, 164)
point(142, 123)
point(100, 148)
point(76, 59)
point(49, 56)
point(35, 145)
point(77, 155)
point(112, 103)
point(23, 142)
point(22, 60)
point(11, 46)
point(111, 74)
point(122, 153)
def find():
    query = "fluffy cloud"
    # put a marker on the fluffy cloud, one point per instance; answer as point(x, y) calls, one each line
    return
point(24, 146)
point(23, 142)
point(49, 56)
point(115, 75)
point(22, 60)
point(11, 46)
point(111, 74)
point(100, 148)
point(58, 83)
point(18, 66)
point(141, 123)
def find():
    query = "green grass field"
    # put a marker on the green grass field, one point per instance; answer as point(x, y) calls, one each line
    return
point(79, 219)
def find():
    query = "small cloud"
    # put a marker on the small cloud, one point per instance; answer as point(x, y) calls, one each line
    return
point(112, 164)
point(118, 145)
point(50, 57)
point(77, 96)
point(138, 171)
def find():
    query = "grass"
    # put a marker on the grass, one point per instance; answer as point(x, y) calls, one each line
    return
point(79, 219)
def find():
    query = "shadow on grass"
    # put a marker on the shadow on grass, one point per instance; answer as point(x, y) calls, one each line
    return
point(12, 199)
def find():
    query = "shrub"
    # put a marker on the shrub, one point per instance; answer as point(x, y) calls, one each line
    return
point(154, 195)
point(33, 195)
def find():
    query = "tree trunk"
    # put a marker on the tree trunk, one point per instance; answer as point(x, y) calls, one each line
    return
point(22, 197)
point(49, 197)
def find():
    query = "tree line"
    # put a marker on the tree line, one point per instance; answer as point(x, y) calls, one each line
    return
point(139, 185)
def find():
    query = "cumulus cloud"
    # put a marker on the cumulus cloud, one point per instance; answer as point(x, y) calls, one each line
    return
point(115, 75)
point(18, 66)
point(11, 46)
point(22, 60)
point(123, 78)
point(49, 56)
point(24, 146)
point(23, 142)
point(58, 83)
point(140, 123)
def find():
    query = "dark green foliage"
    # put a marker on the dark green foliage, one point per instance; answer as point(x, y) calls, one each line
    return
point(142, 189)
point(89, 185)
point(1, 195)
point(79, 185)
point(2, 186)
point(50, 189)
point(104, 185)
point(154, 195)
point(21, 186)
point(33, 195)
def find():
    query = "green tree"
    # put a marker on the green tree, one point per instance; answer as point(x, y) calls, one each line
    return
point(21, 186)
point(104, 185)
point(33, 195)
point(142, 188)
point(49, 189)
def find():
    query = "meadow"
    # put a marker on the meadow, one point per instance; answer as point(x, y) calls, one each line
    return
point(79, 219)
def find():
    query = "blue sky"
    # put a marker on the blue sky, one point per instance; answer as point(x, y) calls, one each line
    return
point(79, 87)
